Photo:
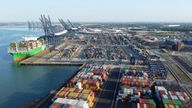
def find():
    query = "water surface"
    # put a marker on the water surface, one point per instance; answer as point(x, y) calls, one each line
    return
point(22, 84)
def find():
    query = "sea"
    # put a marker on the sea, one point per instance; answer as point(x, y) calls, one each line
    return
point(20, 85)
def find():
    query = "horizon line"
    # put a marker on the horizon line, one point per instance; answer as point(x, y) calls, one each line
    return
point(7, 22)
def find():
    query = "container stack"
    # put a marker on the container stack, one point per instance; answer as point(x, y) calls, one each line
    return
point(69, 103)
point(79, 91)
point(157, 70)
point(66, 95)
point(169, 99)
point(146, 103)
point(90, 77)
point(85, 83)
point(134, 83)
point(165, 83)
point(134, 71)
point(129, 81)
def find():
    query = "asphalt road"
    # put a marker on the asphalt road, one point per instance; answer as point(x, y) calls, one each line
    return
point(107, 94)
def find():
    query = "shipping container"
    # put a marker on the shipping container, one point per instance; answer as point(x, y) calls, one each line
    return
point(69, 103)
point(143, 105)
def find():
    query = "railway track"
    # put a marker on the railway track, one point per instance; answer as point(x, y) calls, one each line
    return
point(184, 62)
point(178, 73)
point(181, 77)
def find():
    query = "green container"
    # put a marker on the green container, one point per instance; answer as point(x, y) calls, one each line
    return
point(84, 69)
point(166, 101)
point(178, 102)
point(152, 102)
point(125, 68)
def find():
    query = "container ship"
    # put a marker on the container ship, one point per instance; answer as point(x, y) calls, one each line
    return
point(24, 49)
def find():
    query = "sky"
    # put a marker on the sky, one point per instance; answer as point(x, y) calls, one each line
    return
point(97, 10)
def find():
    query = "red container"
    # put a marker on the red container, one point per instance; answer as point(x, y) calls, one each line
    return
point(142, 105)
point(144, 101)
point(66, 89)
point(162, 92)
point(56, 105)
point(132, 84)
point(137, 84)
point(124, 82)
point(150, 106)
point(78, 90)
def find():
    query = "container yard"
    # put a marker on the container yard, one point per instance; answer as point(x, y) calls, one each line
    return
point(96, 54)
point(116, 73)
point(108, 48)
point(168, 96)
point(157, 70)
point(117, 86)
point(81, 90)
point(120, 68)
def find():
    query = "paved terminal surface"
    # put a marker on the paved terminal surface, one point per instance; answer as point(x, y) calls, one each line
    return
point(120, 104)
point(107, 95)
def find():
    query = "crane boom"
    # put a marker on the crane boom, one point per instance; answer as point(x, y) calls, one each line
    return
point(70, 23)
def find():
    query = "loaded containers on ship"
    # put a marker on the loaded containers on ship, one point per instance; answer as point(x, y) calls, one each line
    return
point(35, 44)
point(25, 45)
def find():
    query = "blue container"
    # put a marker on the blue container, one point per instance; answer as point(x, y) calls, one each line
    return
point(158, 83)
point(164, 83)
point(158, 96)
point(64, 106)
point(171, 83)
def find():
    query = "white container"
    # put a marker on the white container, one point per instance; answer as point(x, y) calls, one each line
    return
point(138, 105)
point(79, 85)
point(95, 77)
point(170, 93)
point(82, 104)
point(60, 100)
point(181, 98)
point(178, 93)
point(164, 96)
point(104, 67)
point(174, 97)
point(145, 106)
point(187, 97)
point(73, 103)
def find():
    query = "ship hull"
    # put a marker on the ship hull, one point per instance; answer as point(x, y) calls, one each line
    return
point(23, 55)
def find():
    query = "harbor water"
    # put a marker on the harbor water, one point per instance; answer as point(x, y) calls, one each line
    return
point(22, 84)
